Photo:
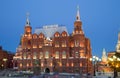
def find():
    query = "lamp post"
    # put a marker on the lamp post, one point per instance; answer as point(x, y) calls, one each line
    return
point(95, 60)
point(114, 60)
point(5, 59)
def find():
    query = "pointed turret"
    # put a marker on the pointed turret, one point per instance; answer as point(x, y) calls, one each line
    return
point(104, 56)
point(78, 24)
point(118, 43)
point(28, 28)
point(27, 20)
point(78, 14)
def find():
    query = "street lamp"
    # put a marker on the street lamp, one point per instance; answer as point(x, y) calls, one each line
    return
point(113, 62)
point(95, 60)
point(5, 59)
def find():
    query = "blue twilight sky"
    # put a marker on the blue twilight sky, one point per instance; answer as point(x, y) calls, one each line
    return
point(100, 18)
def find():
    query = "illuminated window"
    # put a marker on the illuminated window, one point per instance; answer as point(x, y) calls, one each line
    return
point(80, 64)
point(57, 55)
point(72, 64)
point(76, 43)
point(41, 64)
point(41, 55)
point(40, 46)
point(34, 55)
point(27, 64)
point(63, 54)
point(63, 43)
point(46, 54)
point(29, 57)
point(34, 36)
point(76, 31)
point(57, 35)
point(56, 44)
point(72, 44)
point(81, 44)
point(82, 54)
point(34, 46)
point(20, 64)
point(64, 34)
point(67, 64)
point(24, 56)
point(77, 54)
point(41, 35)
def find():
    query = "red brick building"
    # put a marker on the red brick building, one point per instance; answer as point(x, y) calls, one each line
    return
point(53, 48)
point(6, 59)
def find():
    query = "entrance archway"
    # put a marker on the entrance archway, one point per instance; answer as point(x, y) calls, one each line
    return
point(47, 70)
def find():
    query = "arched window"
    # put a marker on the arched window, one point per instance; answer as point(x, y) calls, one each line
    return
point(64, 34)
point(41, 35)
point(57, 55)
point(34, 55)
point(57, 34)
point(82, 53)
point(63, 54)
point(41, 55)
point(46, 54)
point(76, 43)
point(64, 43)
point(29, 56)
point(24, 55)
point(77, 54)
point(57, 44)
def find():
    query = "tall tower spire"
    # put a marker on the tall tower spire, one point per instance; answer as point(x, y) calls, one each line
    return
point(28, 28)
point(27, 19)
point(104, 56)
point(78, 14)
point(118, 43)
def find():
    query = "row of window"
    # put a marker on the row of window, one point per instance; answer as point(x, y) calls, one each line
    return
point(51, 64)
point(57, 55)
point(47, 55)
point(64, 34)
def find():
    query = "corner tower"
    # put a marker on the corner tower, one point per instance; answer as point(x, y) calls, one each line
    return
point(78, 24)
point(28, 28)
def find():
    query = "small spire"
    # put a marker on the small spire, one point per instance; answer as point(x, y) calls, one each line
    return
point(78, 14)
point(104, 56)
point(27, 19)
point(119, 37)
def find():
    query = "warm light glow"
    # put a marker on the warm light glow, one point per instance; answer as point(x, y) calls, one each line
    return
point(31, 64)
point(20, 64)
point(72, 64)
point(118, 59)
point(97, 58)
point(110, 59)
point(94, 56)
point(117, 66)
point(27, 65)
point(46, 54)
point(51, 64)
point(41, 64)
point(90, 59)
point(80, 64)
point(57, 55)
point(63, 54)
point(34, 46)
point(67, 64)
point(4, 59)
point(114, 57)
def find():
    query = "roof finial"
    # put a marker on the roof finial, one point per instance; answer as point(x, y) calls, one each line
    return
point(27, 19)
point(78, 14)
